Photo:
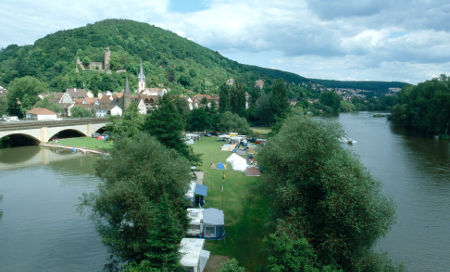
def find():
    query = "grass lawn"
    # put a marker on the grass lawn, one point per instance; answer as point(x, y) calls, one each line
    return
point(244, 206)
point(87, 142)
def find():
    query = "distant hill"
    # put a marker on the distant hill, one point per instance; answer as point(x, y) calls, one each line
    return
point(168, 60)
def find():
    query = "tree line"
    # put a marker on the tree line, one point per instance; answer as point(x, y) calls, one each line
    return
point(425, 107)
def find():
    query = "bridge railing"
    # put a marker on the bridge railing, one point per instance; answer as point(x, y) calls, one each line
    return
point(4, 126)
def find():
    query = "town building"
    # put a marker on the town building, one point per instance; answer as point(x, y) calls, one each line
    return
point(41, 114)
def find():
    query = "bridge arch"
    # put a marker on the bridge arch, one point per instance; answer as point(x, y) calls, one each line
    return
point(19, 139)
point(67, 133)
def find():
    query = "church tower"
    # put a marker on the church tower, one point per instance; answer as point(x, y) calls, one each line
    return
point(126, 95)
point(141, 80)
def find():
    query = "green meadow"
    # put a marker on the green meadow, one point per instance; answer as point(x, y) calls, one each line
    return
point(244, 206)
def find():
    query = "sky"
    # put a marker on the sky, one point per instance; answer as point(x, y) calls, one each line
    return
point(386, 40)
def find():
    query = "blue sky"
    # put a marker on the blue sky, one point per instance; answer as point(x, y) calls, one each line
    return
point(402, 40)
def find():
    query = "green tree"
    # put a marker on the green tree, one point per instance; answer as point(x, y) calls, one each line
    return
point(129, 124)
point(78, 111)
point(3, 105)
point(237, 99)
point(232, 122)
point(224, 98)
point(47, 104)
point(263, 113)
point(231, 266)
point(198, 120)
point(324, 189)
point(144, 185)
point(23, 94)
point(279, 99)
point(164, 239)
point(425, 107)
point(287, 252)
point(331, 100)
point(166, 125)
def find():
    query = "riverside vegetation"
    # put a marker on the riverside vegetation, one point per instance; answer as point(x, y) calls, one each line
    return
point(326, 214)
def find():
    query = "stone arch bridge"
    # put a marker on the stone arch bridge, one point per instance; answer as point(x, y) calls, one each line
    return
point(43, 131)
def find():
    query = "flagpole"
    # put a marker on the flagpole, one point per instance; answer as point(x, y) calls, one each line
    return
point(223, 177)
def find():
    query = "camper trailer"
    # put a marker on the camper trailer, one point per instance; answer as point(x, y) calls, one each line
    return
point(194, 258)
point(195, 225)
point(206, 223)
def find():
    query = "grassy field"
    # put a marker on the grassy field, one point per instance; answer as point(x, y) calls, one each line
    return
point(244, 206)
point(87, 142)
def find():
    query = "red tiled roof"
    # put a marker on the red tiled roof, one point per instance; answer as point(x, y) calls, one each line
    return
point(41, 111)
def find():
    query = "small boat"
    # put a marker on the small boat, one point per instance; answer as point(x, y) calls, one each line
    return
point(347, 140)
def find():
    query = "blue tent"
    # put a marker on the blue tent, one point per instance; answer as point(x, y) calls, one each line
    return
point(201, 190)
point(221, 166)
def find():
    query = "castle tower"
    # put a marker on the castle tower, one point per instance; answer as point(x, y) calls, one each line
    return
point(107, 59)
point(126, 95)
point(141, 80)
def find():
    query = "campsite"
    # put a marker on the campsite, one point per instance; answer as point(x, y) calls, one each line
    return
point(244, 207)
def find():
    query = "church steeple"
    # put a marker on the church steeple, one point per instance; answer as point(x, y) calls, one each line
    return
point(141, 79)
point(127, 85)
point(126, 95)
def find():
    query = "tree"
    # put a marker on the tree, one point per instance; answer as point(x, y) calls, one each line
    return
point(129, 124)
point(164, 239)
point(166, 125)
point(263, 113)
point(237, 99)
point(3, 105)
point(323, 189)
point(198, 120)
point(144, 185)
point(47, 104)
point(279, 99)
point(23, 94)
point(287, 252)
point(232, 122)
point(78, 111)
point(425, 107)
point(224, 98)
point(331, 100)
point(231, 266)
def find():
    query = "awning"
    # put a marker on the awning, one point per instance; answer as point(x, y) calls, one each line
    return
point(201, 190)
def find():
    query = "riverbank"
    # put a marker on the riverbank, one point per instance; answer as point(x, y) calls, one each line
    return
point(244, 207)
point(74, 149)
point(82, 144)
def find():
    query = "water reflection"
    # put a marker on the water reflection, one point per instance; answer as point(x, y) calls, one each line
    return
point(25, 156)
point(40, 220)
point(18, 155)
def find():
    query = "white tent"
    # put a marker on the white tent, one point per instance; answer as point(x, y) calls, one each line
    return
point(237, 162)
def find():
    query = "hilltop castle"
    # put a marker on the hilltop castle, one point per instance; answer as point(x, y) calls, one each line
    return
point(104, 66)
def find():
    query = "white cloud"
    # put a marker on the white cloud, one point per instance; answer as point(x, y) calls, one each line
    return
point(342, 39)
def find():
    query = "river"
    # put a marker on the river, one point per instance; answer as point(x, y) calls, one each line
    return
point(415, 172)
point(41, 229)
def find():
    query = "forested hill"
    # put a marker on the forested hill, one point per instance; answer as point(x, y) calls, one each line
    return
point(168, 60)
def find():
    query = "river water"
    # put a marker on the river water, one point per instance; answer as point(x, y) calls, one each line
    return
point(415, 172)
point(41, 229)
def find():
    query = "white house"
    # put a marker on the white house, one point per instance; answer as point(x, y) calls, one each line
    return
point(41, 114)
point(116, 111)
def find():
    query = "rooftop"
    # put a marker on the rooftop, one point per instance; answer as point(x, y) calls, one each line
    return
point(41, 111)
